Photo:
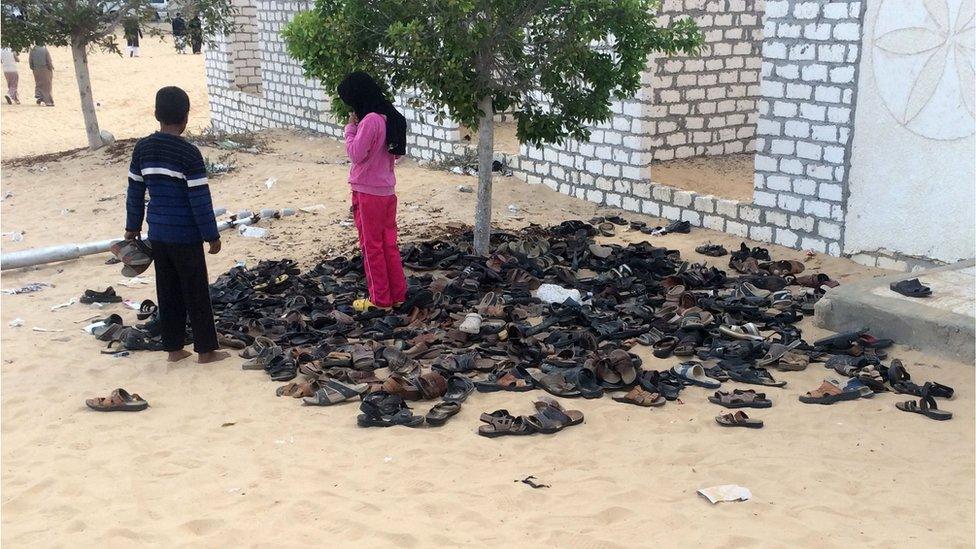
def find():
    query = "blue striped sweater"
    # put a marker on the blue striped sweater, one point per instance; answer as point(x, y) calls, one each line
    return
point(180, 209)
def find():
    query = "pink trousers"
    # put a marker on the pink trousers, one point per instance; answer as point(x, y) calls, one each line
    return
point(375, 218)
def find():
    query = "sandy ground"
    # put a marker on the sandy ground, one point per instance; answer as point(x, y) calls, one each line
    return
point(728, 176)
point(124, 89)
point(218, 460)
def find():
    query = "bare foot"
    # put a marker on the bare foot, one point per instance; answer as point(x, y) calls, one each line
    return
point(176, 356)
point(212, 356)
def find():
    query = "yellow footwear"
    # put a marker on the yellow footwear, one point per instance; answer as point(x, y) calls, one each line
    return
point(364, 304)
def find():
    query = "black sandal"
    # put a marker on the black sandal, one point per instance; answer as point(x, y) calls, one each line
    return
point(925, 406)
point(910, 288)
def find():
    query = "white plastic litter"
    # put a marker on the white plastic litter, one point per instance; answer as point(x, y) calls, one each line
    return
point(726, 492)
point(345, 223)
point(15, 236)
point(90, 329)
point(16, 323)
point(313, 209)
point(132, 304)
point(551, 293)
point(68, 303)
point(38, 329)
point(270, 182)
point(28, 288)
point(135, 281)
point(513, 208)
point(252, 232)
point(458, 170)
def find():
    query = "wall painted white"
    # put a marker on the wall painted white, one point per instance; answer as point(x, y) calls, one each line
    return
point(912, 181)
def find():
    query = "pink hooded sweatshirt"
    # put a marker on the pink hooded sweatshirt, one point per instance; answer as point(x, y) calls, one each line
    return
point(372, 163)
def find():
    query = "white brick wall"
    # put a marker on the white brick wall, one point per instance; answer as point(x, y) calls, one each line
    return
point(797, 116)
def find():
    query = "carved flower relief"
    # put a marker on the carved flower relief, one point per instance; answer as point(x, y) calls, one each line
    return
point(923, 61)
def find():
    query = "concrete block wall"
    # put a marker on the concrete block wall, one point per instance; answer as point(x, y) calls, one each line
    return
point(811, 51)
point(244, 50)
point(805, 108)
point(806, 116)
point(706, 105)
point(286, 98)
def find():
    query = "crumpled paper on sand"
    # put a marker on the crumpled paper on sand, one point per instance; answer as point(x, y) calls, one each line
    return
point(725, 492)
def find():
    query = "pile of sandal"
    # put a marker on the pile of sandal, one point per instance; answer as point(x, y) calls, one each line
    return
point(473, 323)
point(480, 324)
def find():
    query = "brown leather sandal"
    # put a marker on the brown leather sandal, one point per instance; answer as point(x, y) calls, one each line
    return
point(639, 397)
point(119, 401)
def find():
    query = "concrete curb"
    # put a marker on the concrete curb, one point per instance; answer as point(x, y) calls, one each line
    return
point(915, 323)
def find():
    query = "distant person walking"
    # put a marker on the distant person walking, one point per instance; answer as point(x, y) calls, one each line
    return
point(195, 30)
point(9, 61)
point(179, 33)
point(132, 35)
point(40, 63)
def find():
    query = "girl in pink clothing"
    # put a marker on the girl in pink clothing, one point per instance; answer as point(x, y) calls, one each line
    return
point(375, 136)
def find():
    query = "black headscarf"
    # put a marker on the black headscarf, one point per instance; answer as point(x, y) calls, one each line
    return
point(363, 94)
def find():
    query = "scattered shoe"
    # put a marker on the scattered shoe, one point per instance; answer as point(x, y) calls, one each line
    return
point(738, 419)
point(119, 401)
point(910, 288)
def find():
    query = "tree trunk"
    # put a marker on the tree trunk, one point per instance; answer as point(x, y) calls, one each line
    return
point(80, 56)
point(486, 149)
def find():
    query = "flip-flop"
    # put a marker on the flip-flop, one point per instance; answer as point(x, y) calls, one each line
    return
point(910, 288)
point(458, 389)
point(738, 419)
point(859, 387)
point(551, 419)
point(403, 417)
point(840, 342)
point(741, 399)
point(500, 423)
point(639, 397)
point(333, 392)
point(119, 401)
point(695, 374)
point(712, 250)
point(505, 380)
point(441, 412)
point(554, 383)
point(747, 331)
point(664, 347)
point(381, 409)
point(755, 376)
point(828, 393)
point(146, 309)
point(106, 296)
point(776, 352)
point(925, 406)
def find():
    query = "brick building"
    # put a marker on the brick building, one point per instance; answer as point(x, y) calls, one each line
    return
point(780, 78)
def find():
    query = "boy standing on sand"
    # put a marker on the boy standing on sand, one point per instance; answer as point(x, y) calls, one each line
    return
point(180, 220)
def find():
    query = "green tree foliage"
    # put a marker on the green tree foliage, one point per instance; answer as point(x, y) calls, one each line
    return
point(557, 64)
point(84, 25)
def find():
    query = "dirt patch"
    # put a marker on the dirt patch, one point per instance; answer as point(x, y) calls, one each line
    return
point(729, 176)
